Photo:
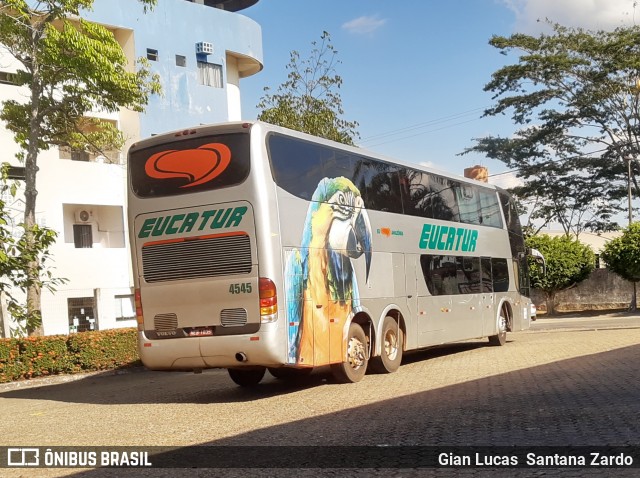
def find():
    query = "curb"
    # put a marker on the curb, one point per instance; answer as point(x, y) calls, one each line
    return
point(65, 378)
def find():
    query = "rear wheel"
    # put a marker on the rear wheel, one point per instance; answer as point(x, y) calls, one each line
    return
point(391, 348)
point(501, 337)
point(247, 377)
point(354, 366)
point(286, 373)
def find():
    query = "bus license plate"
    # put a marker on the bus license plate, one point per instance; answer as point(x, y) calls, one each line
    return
point(201, 332)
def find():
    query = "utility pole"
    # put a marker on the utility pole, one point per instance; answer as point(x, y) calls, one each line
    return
point(629, 158)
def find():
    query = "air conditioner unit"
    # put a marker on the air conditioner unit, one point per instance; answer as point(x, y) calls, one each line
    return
point(204, 48)
point(84, 215)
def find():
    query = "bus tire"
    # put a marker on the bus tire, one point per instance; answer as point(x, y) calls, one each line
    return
point(247, 377)
point(354, 366)
point(501, 337)
point(392, 339)
point(286, 373)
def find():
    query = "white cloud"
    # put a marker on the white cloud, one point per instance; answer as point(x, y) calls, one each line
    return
point(588, 14)
point(364, 25)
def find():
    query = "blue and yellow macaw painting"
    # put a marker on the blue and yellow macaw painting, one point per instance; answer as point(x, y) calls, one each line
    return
point(321, 286)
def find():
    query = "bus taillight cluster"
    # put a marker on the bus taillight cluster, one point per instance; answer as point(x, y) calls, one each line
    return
point(139, 314)
point(268, 300)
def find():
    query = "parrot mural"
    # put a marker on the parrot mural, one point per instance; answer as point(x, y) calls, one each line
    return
point(321, 286)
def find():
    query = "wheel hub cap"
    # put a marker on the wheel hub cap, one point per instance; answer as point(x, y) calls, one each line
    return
point(356, 353)
point(391, 344)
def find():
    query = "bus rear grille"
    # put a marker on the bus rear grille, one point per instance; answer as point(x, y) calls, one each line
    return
point(165, 322)
point(233, 317)
point(192, 259)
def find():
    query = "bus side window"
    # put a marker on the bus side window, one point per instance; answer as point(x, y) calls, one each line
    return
point(432, 273)
point(469, 203)
point(440, 274)
point(486, 274)
point(363, 172)
point(468, 274)
point(445, 205)
point(489, 208)
point(296, 165)
point(500, 272)
point(338, 164)
point(420, 193)
point(379, 184)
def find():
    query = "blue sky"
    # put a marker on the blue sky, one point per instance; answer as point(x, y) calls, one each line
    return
point(414, 71)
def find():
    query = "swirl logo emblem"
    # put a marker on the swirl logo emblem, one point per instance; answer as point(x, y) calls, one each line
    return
point(198, 166)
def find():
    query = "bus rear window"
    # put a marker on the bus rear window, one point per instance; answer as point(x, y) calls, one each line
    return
point(190, 165)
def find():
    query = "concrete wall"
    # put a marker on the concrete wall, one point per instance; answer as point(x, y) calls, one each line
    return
point(602, 290)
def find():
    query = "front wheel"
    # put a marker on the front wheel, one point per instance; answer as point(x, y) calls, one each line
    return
point(391, 353)
point(247, 377)
point(501, 337)
point(354, 365)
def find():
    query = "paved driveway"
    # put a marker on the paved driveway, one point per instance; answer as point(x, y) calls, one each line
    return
point(567, 387)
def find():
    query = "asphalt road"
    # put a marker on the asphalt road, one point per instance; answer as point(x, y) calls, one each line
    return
point(577, 385)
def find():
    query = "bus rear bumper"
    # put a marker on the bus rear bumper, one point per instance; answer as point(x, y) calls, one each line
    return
point(209, 352)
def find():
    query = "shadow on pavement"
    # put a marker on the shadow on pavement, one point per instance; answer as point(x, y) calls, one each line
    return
point(212, 386)
point(587, 401)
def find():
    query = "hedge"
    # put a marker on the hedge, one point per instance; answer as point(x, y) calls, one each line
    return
point(31, 357)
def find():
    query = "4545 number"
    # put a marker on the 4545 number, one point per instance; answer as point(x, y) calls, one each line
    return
point(243, 288)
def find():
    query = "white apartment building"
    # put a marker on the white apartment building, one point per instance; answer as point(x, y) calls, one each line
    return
point(201, 49)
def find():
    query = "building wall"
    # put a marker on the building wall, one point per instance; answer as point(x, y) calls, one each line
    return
point(101, 275)
point(602, 290)
point(174, 27)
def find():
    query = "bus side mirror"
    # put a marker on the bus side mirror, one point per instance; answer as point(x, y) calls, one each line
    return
point(539, 258)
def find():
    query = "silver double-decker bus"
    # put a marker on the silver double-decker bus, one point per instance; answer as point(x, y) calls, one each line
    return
point(260, 248)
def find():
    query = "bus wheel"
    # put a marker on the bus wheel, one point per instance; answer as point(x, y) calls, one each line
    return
point(501, 337)
point(247, 377)
point(286, 373)
point(355, 363)
point(391, 353)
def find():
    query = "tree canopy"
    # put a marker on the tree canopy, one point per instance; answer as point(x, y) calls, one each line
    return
point(622, 255)
point(309, 100)
point(575, 97)
point(70, 69)
point(568, 262)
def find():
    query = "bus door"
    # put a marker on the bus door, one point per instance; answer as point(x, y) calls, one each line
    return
point(411, 280)
point(487, 302)
point(434, 301)
point(466, 321)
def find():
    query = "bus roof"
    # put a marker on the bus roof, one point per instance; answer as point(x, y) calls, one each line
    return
point(240, 126)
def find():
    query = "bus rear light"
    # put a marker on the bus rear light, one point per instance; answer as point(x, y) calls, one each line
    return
point(186, 132)
point(139, 314)
point(268, 300)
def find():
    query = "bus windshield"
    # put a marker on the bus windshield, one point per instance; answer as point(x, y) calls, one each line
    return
point(190, 165)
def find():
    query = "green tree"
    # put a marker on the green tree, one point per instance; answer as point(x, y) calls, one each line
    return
point(622, 256)
point(309, 100)
point(568, 262)
point(575, 97)
point(70, 67)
